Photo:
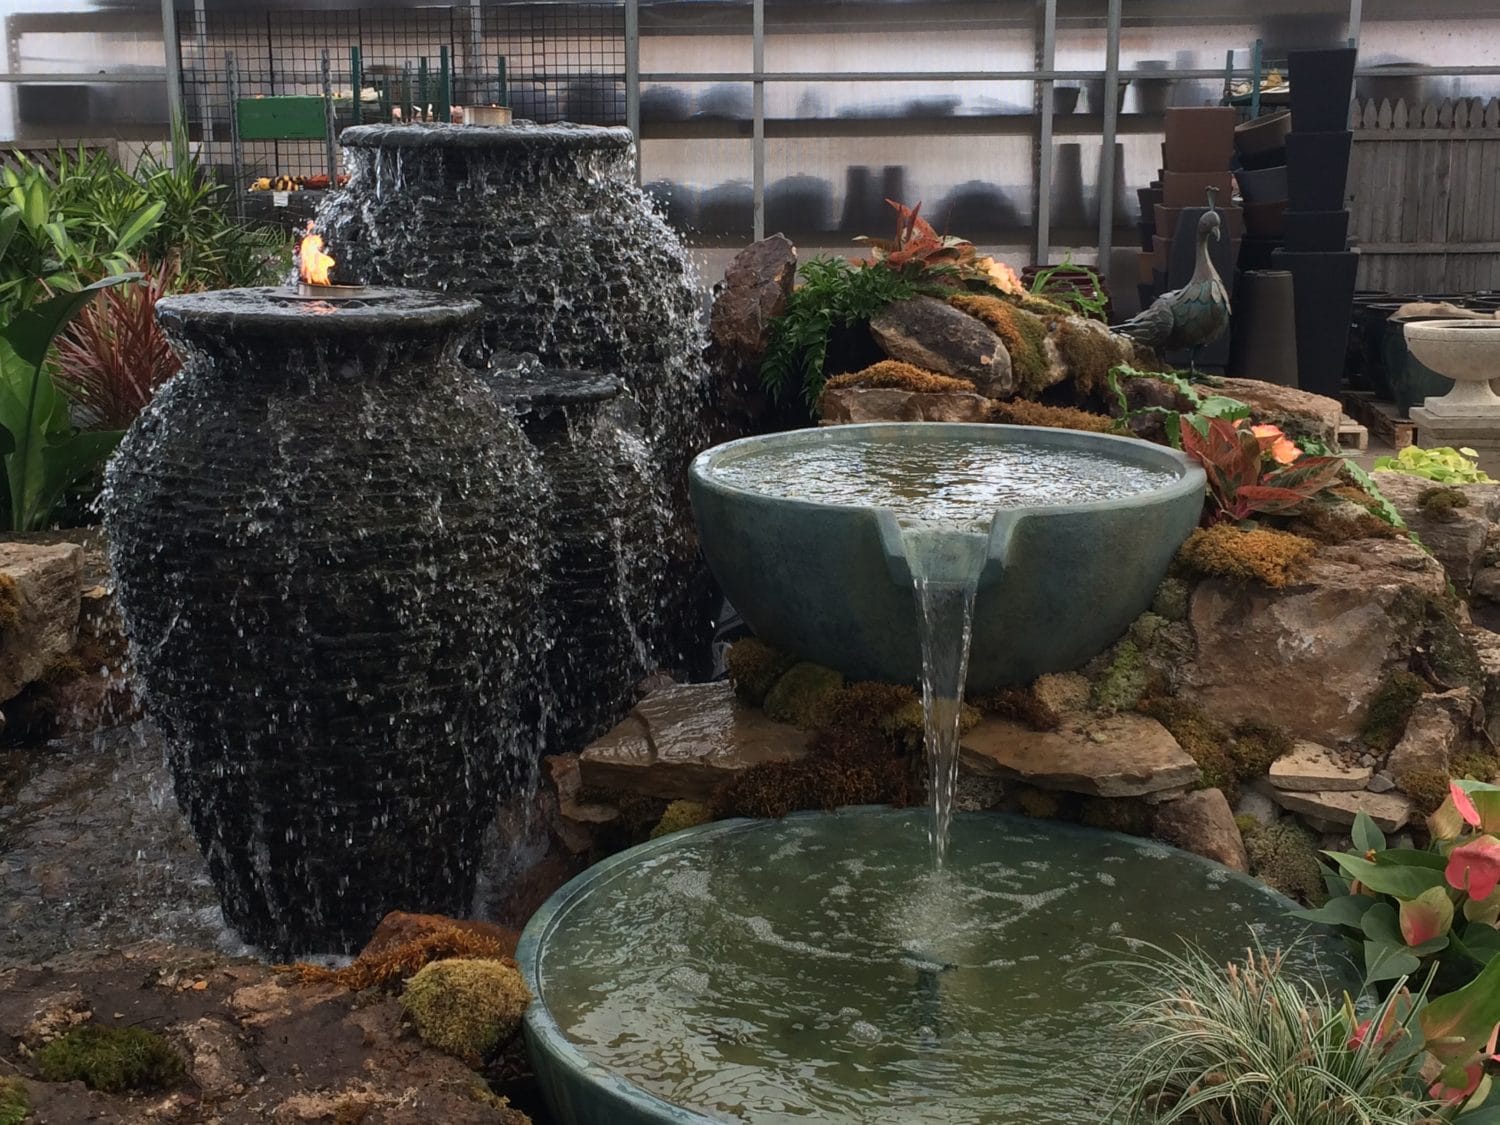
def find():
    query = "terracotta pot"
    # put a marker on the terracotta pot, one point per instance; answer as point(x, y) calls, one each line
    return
point(1316, 230)
point(1145, 264)
point(1317, 169)
point(1266, 133)
point(1322, 85)
point(1161, 252)
point(1265, 185)
point(1265, 220)
point(1199, 139)
point(1190, 189)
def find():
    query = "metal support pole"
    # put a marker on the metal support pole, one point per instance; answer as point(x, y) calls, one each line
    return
point(1047, 61)
point(1356, 21)
point(357, 84)
point(1106, 192)
point(331, 131)
point(173, 52)
point(758, 118)
point(236, 146)
point(633, 77)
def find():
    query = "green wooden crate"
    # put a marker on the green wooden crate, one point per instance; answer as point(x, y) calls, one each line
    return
point(293, 118)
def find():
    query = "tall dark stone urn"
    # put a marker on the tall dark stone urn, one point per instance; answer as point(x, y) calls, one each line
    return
point(546, 226)
point(324, 536)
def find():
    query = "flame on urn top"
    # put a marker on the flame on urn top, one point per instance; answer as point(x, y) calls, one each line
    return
point(313, 267)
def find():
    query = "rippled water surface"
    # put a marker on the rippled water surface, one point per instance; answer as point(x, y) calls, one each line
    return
point(954, 482)
point(817, 969)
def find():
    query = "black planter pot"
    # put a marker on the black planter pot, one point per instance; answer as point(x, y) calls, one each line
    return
point(1323, 291)
point(1317, 170)
point(1316, 230)
point(1322, 84)
point(323, 532)
point(1263, 341)
point(1263, 185)
point(1255, 253)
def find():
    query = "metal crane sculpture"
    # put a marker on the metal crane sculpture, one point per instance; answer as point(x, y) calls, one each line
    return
point(1190, 317)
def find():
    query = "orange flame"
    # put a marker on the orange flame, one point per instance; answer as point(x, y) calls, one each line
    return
point(312, 263)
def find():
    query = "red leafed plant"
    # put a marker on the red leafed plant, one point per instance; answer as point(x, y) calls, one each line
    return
point(919, 246)
point(1235, 459)
point(114, 355)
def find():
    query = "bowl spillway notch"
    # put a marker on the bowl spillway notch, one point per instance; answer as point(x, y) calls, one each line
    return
point(547, 227)
point(323, 533)
point(1060, 582)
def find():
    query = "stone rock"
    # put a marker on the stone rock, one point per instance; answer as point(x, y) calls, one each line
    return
point(1310, 768)
point(1439, 727)
point(1390, 811)
point(55, 1015)
point(1307, 658)
point(39, 608)
point(935, 336)
point(1458, 538)
point(217, 1060)
point(754, 293)
point(1124, 755)
point(843, 405)
point(1140, 394)
point(1202, 823)
point(399, 927)
point(1299, 413)
point(685, 742)
point(576, 819)
point(1381, 783)
point(1062, 692)
point(1487, 647)
point(1258, 806)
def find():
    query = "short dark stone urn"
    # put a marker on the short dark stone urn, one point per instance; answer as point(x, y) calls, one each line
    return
point(324, 537)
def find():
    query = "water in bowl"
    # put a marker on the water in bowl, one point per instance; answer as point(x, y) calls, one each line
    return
point(951, 482)
point(817, 969)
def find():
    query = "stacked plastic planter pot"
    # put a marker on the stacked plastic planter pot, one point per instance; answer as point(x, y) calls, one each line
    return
point(1316, 253)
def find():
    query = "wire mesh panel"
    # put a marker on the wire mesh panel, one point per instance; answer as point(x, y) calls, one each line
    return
point(549, 61)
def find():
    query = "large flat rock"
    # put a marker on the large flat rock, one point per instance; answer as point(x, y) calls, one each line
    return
point(1333, 810)
point(1457, 536)
point(1123, 755)
point(686, 741)
point(1308, 657)
point(39, 607)
point(1311, 768)
point(935, 336)
point(1297, 412)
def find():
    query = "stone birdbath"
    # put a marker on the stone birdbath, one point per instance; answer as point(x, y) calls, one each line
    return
point(1466, 351)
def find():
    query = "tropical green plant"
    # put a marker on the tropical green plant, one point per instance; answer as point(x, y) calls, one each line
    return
point(1383, 509)
point(1059, 285)
point(43, 453)
point(835, 293)
point(1201, 408)
point(1252, 1043)
point(1444, 464)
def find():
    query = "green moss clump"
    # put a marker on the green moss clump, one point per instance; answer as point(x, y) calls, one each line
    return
point(1442, 503)
point(1021, 705)
point(1125, 679)
point(841, 768)
point(1024, 412)
point(1284, 855)
point(1427, 788)
point(1088, 355)
point(1118, 814)
point(1475, 765)
point(754, 667)
point(908, 725)
point(801, 696)
point(1206, 741)
point(893, 374)
point(680, 815)
point(111, 1060)
point(1254, 746)
point(10, 605)
point(1225, 551)
point(1389, 710)
point(867, 705)
point(1038, 803)
point(1341, 523)
point(14, 1104)
point(1246, 823)
point(1024, 334)
point(1171, 599)
point(467, 1008)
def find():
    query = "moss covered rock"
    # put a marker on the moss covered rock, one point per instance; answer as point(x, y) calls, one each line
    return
point(112, 1060)
point(754, 668)
point(1284, 855)
point(1025, 336)
point(1171, 599)
point(680, 815)
point(1228, 551)
point(892, 374)
point(1389, 710)
point(1023, 412)
point(468, 1008)
point(842, 768)
point(14, 1104)
point(802, 695)
point(868, 705)
point(1124, 680)
point(1131, 816)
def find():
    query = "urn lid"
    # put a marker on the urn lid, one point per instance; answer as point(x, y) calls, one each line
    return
point(281, 311)
point(522, 136)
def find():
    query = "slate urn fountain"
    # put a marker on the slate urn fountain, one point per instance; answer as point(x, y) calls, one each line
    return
point(324, 537)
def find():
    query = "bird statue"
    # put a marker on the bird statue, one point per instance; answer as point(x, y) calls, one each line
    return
point(1192, 316)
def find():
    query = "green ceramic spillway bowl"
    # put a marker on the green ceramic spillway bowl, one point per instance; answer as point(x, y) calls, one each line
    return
point(831, 583)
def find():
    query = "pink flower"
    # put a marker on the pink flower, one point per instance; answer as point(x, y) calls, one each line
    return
point(1475, 867)
point(1281, 448)
point(1463, 803)
point(1455, 1095)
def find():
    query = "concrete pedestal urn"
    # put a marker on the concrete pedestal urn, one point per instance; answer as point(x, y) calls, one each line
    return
point(323, 533)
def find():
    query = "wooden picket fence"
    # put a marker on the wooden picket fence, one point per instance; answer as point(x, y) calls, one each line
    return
point(1424, 183)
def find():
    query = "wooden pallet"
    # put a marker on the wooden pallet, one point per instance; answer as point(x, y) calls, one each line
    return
point(1380, 419)
point(1353, 437)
